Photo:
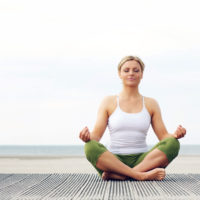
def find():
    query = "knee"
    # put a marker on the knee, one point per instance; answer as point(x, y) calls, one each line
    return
point(93, 149)
point(173, 146)
point(90, 148)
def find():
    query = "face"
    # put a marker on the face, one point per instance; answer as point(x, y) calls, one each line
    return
point(131, 73)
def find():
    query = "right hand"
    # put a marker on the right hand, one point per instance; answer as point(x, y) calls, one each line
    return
point(85, 134)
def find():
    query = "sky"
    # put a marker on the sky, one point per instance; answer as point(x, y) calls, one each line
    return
point(58, 60)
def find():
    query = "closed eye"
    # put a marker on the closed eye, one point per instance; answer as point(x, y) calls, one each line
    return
point(128, 70)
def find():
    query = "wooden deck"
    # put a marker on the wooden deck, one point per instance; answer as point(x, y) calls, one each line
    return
point(90, 186)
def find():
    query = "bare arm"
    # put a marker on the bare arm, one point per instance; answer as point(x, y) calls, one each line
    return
point(159, 126)
point(100, 126)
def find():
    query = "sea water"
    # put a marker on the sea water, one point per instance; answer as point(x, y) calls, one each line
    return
point(69, 150)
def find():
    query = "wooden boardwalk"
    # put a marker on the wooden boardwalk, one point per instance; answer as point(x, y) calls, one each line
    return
point(90, 186)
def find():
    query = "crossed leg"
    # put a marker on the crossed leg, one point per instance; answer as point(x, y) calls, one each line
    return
point(148, 167)
point(151, 168)
point(152, 164)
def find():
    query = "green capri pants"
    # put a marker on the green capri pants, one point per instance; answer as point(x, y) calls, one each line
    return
point(93, 149)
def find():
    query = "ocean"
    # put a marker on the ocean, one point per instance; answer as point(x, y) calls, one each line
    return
point(68, 150)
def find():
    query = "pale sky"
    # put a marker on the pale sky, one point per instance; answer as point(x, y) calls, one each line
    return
point(58, 60)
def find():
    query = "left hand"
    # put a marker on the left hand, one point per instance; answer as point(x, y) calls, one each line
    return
point(180, 132)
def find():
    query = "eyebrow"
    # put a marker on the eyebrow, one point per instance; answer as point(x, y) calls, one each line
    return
point(129, 67)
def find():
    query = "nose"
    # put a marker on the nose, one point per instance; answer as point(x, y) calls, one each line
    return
point(131, 72)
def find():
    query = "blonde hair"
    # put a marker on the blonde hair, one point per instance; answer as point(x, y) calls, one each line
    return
point(128, 58)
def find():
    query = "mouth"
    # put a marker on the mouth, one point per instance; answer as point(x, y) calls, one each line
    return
point(131, 79)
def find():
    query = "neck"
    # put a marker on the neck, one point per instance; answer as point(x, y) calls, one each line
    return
point(130, 93)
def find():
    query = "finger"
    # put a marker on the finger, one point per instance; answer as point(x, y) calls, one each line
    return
point(82, 134)
point(178, 134)
point(84, 131)
point(180, 128)
point(82, 137)
point(86, 136)
point(182, 134)
point(183, 131)
point(87, 133)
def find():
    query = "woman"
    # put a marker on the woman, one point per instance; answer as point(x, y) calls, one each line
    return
point(128, 116)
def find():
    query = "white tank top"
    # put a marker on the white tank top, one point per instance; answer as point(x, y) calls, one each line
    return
point(128, 131)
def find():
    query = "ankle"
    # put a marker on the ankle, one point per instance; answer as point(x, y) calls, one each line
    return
point(140, 176)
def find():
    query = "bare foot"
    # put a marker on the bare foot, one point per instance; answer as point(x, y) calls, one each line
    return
point(155, 174)
point(109, 175)
point(106, 176)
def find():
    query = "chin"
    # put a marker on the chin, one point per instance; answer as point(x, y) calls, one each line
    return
point(131, 84)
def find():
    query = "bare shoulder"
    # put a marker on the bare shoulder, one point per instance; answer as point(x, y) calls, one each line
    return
point(150, 100)
point(108, 100)
point(151, 104)
point(109, 103)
